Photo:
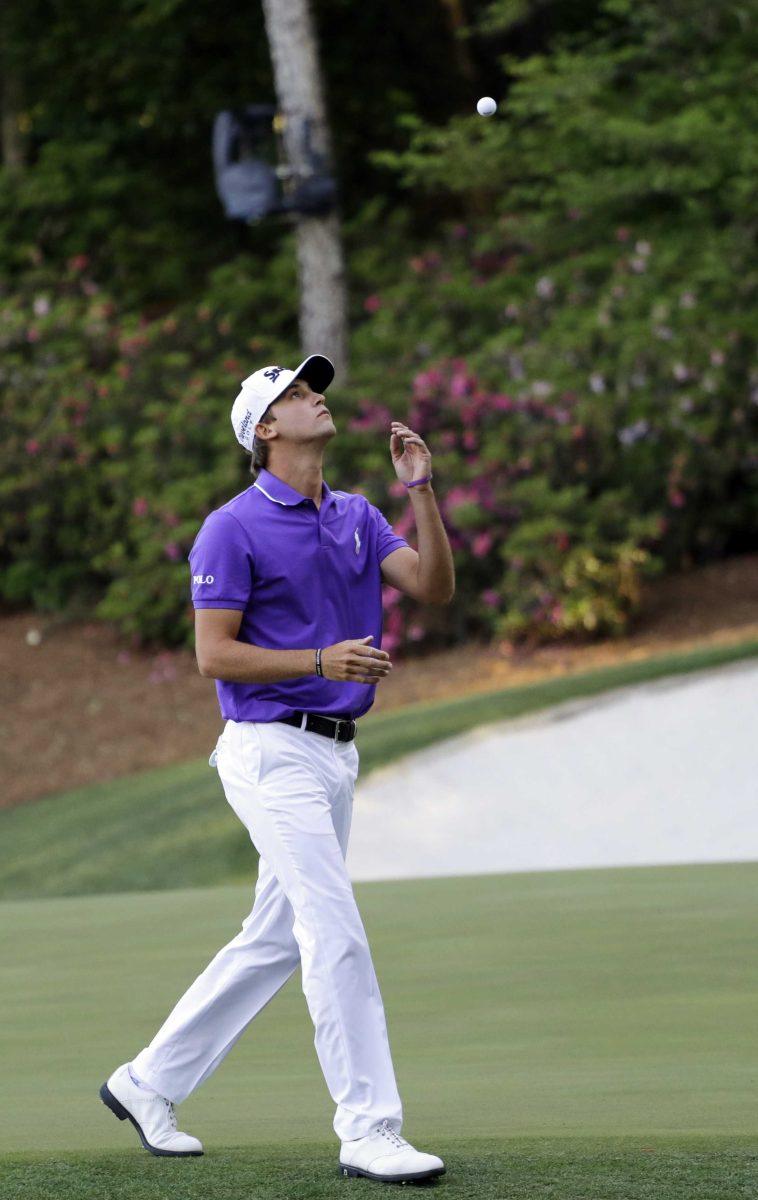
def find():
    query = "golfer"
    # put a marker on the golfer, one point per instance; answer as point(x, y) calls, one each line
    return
point(287, 586)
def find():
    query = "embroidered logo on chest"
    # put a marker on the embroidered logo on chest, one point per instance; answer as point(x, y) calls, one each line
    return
point(357, 542)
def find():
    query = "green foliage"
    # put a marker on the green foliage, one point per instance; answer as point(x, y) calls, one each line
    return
point(117, 438)
point(578, 352)
point(606, 281)
point(117, 110)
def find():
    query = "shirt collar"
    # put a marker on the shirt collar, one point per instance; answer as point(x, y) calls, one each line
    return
point(279, 491)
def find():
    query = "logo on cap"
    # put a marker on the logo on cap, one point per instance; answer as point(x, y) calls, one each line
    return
point(245, 423)
point(273, 373)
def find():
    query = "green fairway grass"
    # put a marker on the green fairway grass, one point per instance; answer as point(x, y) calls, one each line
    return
point(520, 1169)
point(171, 827)
point(608, 1004)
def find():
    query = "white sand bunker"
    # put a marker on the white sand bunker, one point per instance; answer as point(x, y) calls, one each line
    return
point(664, 772)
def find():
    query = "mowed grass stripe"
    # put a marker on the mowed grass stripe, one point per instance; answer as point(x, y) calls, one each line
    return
point(172, 827)
point(568, 1004)
point(517, 1169)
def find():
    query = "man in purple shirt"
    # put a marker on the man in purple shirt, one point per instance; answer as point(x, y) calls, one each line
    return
point(286, 583)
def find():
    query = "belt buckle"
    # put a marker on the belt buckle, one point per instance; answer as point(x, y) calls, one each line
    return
point(337, 722)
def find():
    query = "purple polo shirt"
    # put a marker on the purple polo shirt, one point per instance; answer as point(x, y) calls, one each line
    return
point(302, 577)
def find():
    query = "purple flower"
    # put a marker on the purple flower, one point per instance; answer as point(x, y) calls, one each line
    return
point(541, 388)
point(545, 288)
point(633, 433)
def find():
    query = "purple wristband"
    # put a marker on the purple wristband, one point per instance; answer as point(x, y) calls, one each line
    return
point(416, 482)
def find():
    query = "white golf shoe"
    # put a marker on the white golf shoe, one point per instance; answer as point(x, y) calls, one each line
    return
point(151, 1115)
point(385, 1155)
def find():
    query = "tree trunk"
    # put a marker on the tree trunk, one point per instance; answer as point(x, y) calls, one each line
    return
point(456, 20)
point(321, 269)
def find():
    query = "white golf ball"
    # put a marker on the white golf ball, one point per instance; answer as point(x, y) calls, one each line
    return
point(486, 106)
point(33, 637)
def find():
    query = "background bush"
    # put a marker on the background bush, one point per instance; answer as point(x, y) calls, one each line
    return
point(573, 336)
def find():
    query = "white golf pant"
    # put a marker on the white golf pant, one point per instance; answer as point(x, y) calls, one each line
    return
point(293, 790)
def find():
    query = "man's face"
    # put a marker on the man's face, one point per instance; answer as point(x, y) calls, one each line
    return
point(301, 416)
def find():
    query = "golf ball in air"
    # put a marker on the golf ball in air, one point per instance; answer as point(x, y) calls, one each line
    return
point(486, 106)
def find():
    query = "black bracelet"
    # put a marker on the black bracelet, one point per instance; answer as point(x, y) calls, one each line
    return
point(318, 664)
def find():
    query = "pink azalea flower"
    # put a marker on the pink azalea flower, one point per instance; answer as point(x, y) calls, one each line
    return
point(481, 544)
point(140, 507)
point(491, 598)
point(405, 523)
point(425, 382)
point(390, 596)
point(459, 384)
point(461, 494)
point(172, 551)
point(372, 304)
point(32, 446)
point(470, 440)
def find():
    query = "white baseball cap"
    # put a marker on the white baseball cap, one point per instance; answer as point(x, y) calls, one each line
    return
point(264, 386)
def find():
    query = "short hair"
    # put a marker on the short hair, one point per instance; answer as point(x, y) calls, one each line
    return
point(259, 453)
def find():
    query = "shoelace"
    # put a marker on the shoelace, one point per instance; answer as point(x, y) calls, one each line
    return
point(171, 1113)
point(395, 1138)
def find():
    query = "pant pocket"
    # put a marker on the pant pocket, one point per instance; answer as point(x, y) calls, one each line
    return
point(251, 752)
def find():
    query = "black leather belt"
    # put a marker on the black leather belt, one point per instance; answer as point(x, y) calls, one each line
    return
point(340, 727)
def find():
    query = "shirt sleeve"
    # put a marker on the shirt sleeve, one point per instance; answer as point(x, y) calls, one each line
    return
point(386, 538)
point(221, 563)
